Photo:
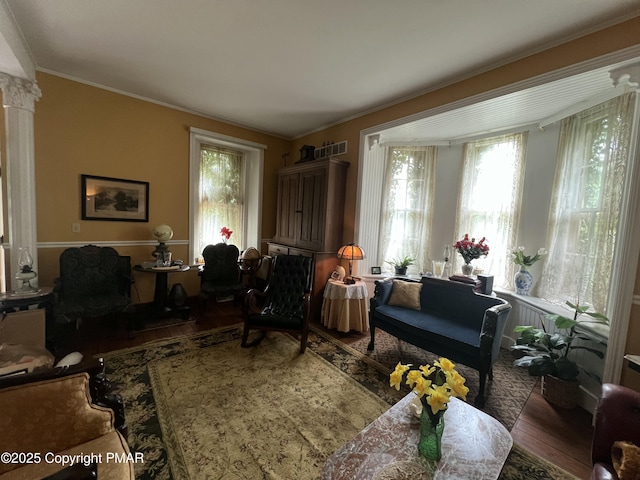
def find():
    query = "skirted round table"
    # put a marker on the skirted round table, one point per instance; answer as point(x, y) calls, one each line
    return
point(345, 306)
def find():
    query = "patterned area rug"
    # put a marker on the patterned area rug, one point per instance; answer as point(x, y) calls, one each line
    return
point(164, 404)
point(505, 396)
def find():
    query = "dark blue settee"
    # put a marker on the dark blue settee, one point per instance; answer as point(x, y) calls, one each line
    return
point(453, 322)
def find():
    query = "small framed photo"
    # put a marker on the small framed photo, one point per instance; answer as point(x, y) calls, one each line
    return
point(376, 270)
point(105, 198)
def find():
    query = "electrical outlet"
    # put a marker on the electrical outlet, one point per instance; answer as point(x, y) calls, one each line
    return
point(75, 227)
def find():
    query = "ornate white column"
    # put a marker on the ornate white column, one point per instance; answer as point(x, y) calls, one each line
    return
point(19, 96)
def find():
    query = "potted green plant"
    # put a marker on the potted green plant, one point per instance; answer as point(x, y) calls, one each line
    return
point(400, 265)
point(546, 354)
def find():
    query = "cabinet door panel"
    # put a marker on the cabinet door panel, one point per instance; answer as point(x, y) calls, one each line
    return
point(313, 203)
point(287, 208)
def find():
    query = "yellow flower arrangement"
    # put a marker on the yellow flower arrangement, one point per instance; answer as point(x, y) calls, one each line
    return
point(434, 384)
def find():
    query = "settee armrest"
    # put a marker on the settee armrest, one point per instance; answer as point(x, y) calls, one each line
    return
point(381, 293)
point(493, 323)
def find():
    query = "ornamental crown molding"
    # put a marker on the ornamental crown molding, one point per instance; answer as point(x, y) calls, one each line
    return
point(628, 75)
point(19, 92)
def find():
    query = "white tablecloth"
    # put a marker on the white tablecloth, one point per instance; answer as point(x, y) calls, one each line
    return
point(345, 306)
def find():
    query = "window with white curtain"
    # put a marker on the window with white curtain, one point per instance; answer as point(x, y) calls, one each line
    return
point(489, 201)
point(220, 195)
point(406, 205)
point(226, 182)
point(592, 155)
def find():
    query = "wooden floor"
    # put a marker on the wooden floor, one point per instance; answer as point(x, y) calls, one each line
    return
point(563, 437)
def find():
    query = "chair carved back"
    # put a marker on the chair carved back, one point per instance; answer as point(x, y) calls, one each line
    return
point(221, 264)
point(92, 270)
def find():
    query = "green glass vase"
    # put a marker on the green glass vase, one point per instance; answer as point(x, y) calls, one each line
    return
point(431, 428)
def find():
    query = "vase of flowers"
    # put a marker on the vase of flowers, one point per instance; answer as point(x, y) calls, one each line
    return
point(435, 385)
point(470, 250)
point(226, 234)
point(523, 279)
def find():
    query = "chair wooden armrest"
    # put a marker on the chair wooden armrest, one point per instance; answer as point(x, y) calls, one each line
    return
point(254, 300)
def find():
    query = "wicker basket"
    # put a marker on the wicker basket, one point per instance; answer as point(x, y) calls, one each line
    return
point(560, 393)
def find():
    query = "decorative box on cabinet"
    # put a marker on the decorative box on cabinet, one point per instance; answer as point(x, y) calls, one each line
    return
point(311, 205)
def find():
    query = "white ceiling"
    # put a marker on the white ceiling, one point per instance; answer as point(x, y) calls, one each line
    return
point(289, 67)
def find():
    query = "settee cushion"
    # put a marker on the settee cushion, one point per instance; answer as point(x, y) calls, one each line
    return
point(437, 328)
point(112, 442)
point(405, 294)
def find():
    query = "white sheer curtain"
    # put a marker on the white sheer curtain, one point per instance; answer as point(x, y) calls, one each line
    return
point(489, 201)
point(592, 155)
point(220, 196)
point(408, 194)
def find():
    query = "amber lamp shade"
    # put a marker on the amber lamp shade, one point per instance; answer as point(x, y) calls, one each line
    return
point(351, 252)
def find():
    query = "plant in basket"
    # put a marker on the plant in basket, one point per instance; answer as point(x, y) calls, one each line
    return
point(547, 354)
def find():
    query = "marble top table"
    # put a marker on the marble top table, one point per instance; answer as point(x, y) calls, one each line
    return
point(474, 446)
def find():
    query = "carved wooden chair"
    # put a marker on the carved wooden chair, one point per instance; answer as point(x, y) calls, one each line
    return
point(284, 304)
point(93, 282)
point(221, 277)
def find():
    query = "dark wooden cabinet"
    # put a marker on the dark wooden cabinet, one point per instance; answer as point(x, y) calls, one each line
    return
point(310, 218)
point(311, 204)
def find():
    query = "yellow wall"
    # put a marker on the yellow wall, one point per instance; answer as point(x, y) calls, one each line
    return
point(80, 129)
point(631, 378)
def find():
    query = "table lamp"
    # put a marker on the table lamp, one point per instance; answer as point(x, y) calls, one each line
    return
point(163, 233)
point(351, 252)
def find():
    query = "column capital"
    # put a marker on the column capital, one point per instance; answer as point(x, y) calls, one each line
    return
point(19, 92)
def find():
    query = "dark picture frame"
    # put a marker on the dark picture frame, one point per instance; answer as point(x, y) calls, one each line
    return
point(115, 199)
point(376, 270)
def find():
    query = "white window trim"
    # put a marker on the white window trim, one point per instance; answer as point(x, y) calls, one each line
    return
point(253, 183)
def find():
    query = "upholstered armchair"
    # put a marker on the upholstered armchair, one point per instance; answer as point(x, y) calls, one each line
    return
point(221, 277)
point(617, 419)
point(93, 282)
point(62, 410)
point(284, 304)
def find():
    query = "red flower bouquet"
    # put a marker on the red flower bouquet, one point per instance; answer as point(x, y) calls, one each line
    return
point(226, 233)
point(470, 250)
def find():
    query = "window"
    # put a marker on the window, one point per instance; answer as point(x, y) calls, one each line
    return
point(406, 206)
point(220, 196)
point(226, 190)
point(489, 200)
point(592, 161)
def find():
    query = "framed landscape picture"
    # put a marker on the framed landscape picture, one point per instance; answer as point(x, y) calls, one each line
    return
point(105, 198)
